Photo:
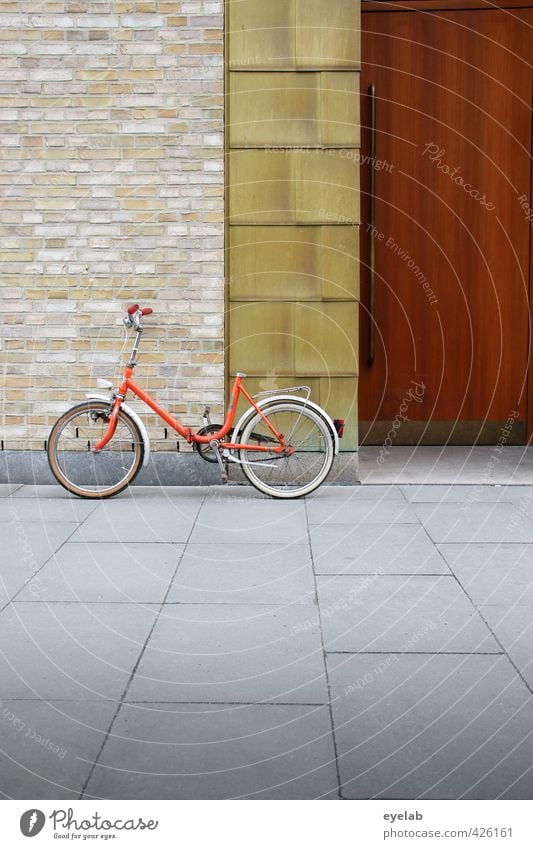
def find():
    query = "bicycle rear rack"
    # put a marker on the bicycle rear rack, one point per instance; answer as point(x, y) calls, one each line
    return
point(284, 390)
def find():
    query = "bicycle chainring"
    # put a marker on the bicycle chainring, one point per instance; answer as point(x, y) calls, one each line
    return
point(204, 449)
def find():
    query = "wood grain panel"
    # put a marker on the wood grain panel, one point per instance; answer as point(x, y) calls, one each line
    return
point(454, 122)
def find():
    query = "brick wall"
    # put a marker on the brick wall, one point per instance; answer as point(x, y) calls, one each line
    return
point(111, 182)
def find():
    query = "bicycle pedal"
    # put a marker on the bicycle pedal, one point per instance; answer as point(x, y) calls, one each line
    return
point(225, 478)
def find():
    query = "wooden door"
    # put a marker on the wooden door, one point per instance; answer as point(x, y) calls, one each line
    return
point(451, 232)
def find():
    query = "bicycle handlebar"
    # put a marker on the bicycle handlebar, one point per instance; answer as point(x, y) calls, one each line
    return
point(135, 307)
point(134, 314)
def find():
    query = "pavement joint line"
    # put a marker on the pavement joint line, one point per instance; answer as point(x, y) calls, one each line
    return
point(166, 702)
point(122, 699)
point(326, 673)
point(59, 699)
point(478, 610)
point(173, 603)
point(495, 604)
point(221, 702)
point(424, 653)
point(191, 544)
point(383, 575)
point(56, 551)
point(519, 544)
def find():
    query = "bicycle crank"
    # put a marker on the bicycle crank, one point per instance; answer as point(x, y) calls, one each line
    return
point(215, 447)
point(204, 449)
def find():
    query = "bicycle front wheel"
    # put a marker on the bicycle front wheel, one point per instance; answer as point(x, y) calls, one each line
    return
point(82, 471)
point(295, 474)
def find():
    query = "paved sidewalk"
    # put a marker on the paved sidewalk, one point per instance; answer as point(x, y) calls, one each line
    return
point(370, 641)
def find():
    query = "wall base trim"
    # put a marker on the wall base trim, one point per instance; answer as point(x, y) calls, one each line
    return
point(165, 468)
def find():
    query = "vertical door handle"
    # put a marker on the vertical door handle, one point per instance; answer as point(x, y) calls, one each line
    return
point(371, 224)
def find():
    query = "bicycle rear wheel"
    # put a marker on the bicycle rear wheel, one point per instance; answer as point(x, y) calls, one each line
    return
point(306, 433)
point(84, 472)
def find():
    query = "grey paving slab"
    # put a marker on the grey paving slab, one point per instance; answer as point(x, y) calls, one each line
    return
point(493, 574)
point(166, 751)
point(45, 510)
point(233, 653)
point(465, 494)
point(25, 548)
point(46, 748)
point(362, 491)
point(522, 498)
point(8, 489)
point(108, 571)
point(244, 574)
point(254, 521)
point(235, 492)
point(70, 651)
point(475, 522)
point(374, 548)
point(432, 727)
point(132, 492)
point(242, 627)
point(437, 464)
point(389, 613)
point(360, 512)
point(40, 491)
point(519, 492)
point(193, 494)
point(140, 520)
point(513, 626)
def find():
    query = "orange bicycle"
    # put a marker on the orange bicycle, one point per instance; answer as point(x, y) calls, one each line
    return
point(284, 443)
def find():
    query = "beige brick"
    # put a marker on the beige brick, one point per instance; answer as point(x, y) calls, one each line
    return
point(15, 256)
point(97, 74)
point(148, 74)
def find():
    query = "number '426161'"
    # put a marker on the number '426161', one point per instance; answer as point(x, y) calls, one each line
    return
point(491, 832)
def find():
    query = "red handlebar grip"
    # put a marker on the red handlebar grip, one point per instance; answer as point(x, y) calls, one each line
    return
point(133, 308)
point(147, 311)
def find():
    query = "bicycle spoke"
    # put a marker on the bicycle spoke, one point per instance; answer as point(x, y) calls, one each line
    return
point(82, 470)
point(310, 457)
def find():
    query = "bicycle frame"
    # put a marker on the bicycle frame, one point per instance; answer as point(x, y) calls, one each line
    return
point(128, 384)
